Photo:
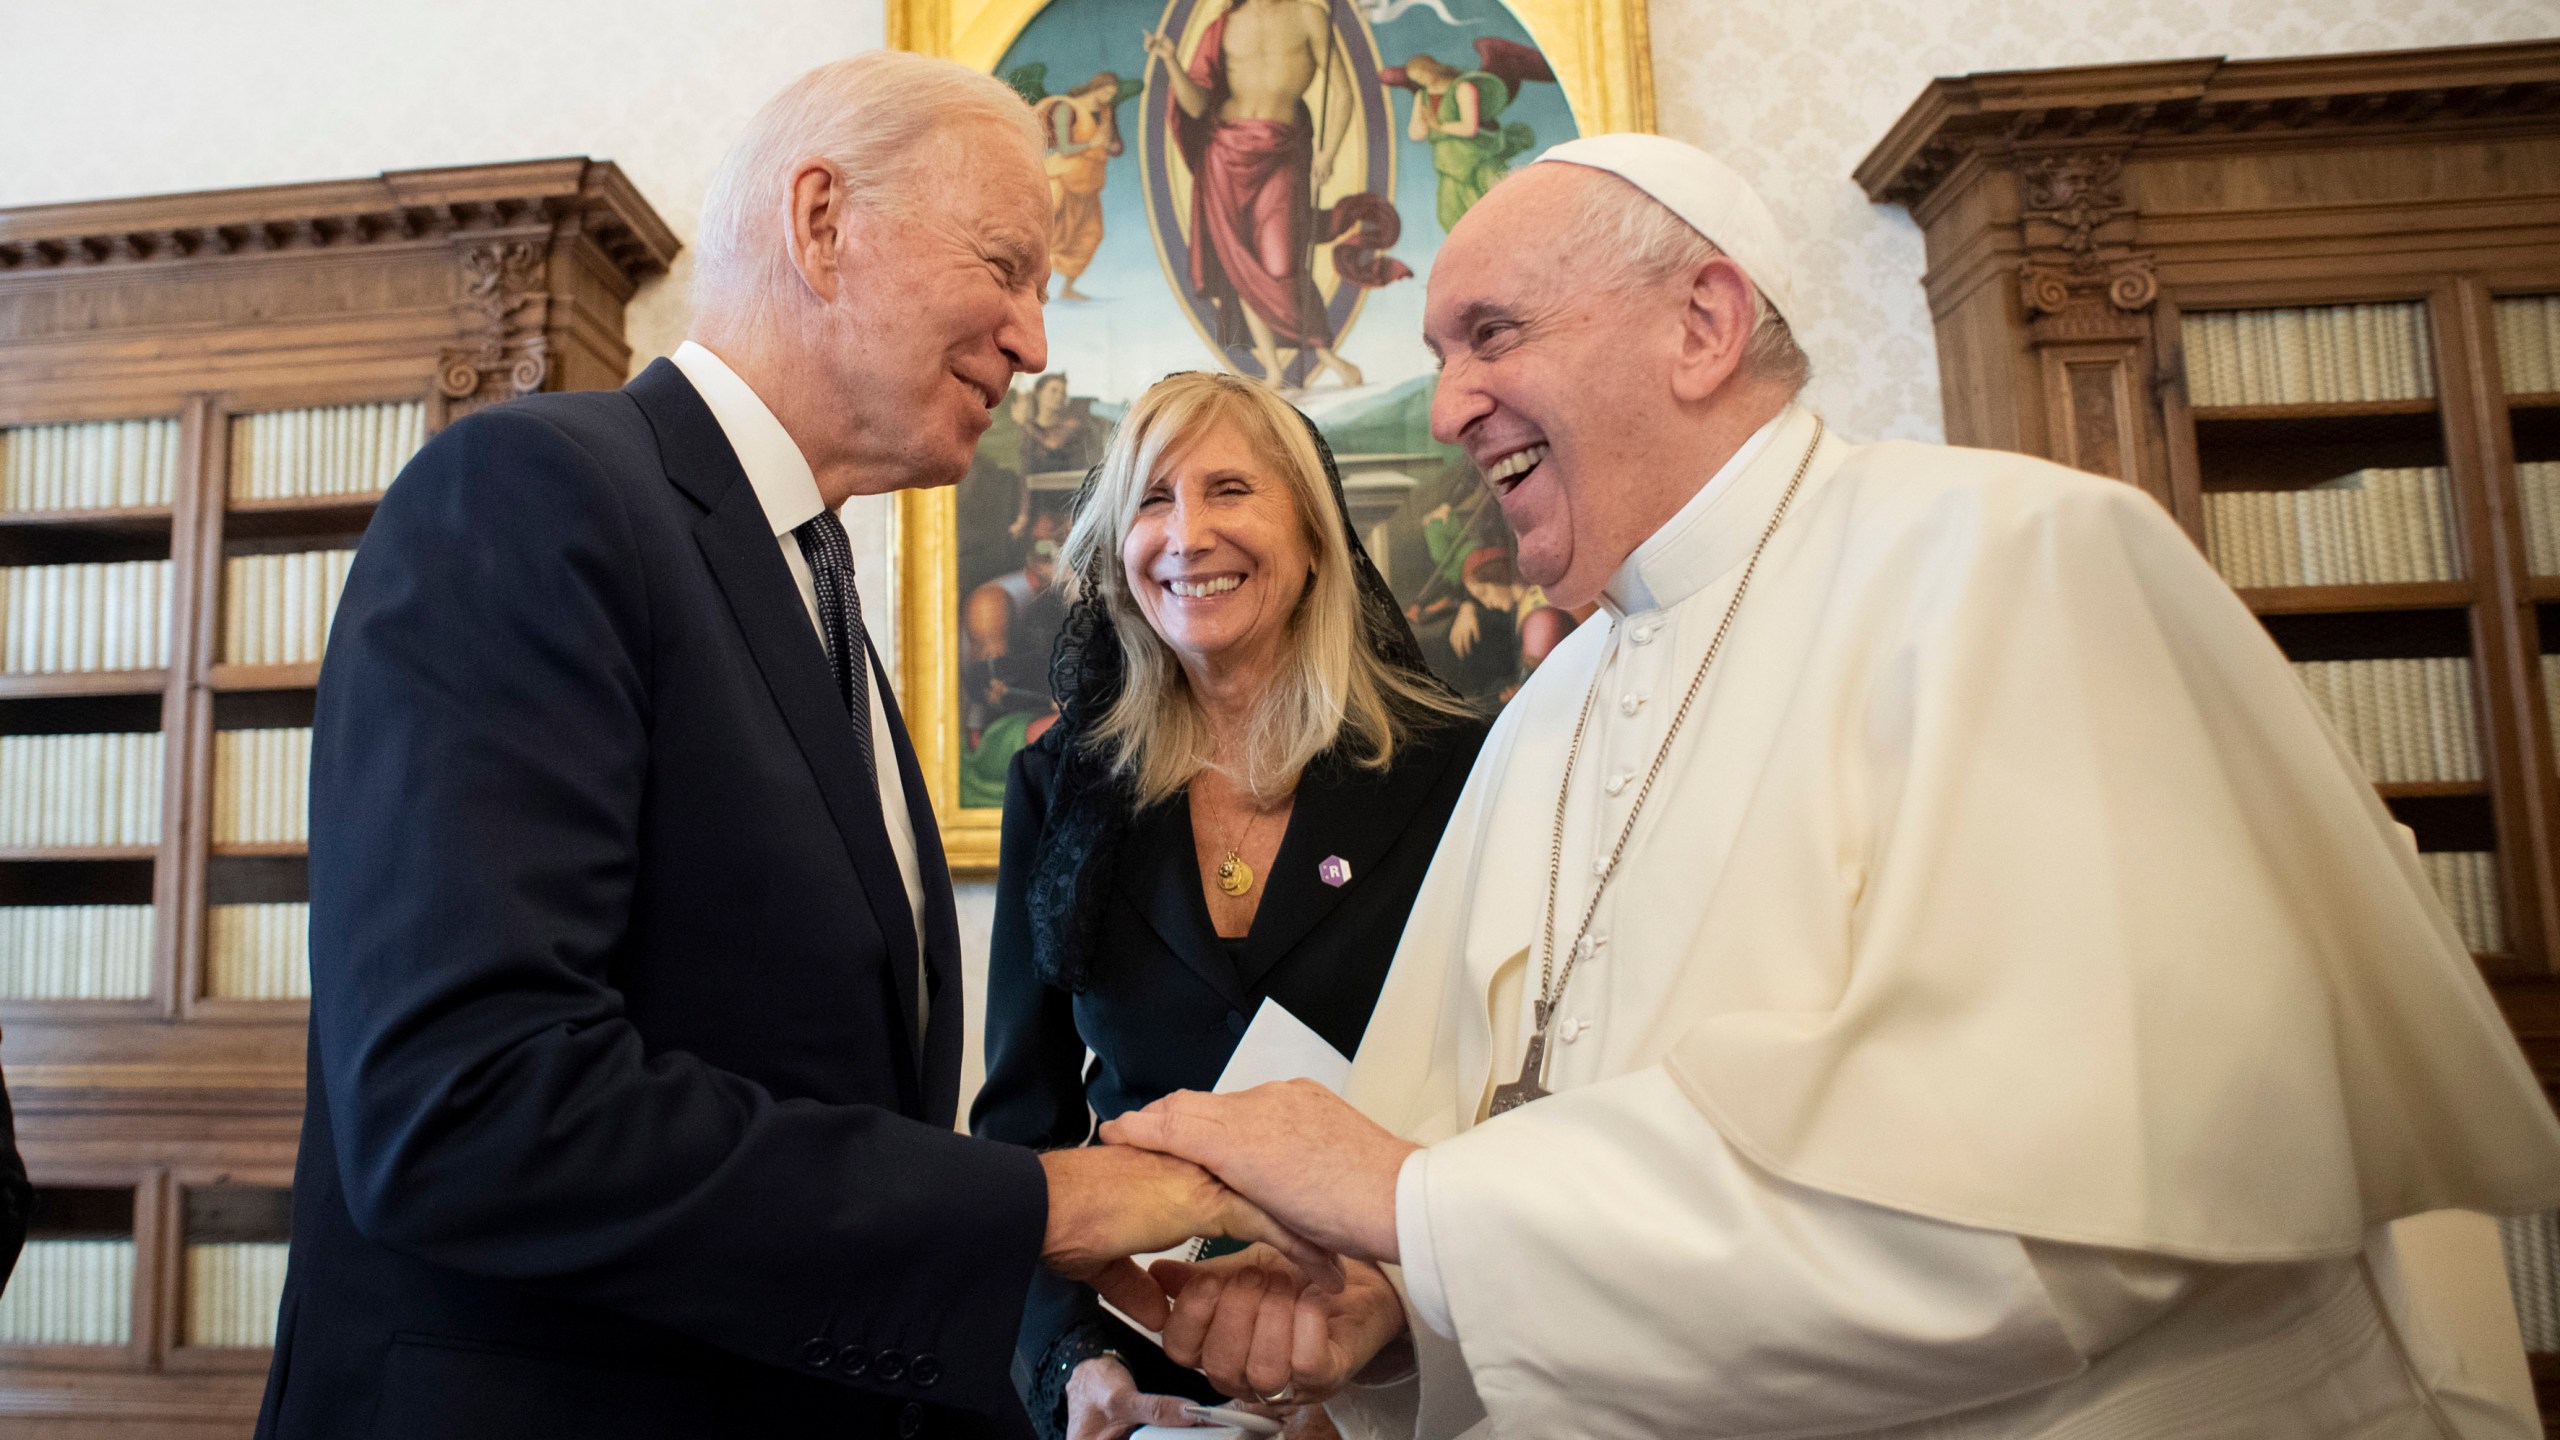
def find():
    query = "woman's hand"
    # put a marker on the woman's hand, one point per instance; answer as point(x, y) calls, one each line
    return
point(1252, 1324)
point(1103, 1403)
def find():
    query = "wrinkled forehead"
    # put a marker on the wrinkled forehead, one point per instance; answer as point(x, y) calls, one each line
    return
point(1515, 246)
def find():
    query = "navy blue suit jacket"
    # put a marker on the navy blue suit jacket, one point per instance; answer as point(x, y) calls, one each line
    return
point(620, 1120)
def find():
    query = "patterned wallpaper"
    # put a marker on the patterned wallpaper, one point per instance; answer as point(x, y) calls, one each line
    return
point(1794, 94)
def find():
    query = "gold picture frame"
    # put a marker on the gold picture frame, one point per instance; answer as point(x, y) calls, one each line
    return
point(1601, 55)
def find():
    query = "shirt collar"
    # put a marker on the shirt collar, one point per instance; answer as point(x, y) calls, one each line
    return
point(1712, 532)
point(780, 475)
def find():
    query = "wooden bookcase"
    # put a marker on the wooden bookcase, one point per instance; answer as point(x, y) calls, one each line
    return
point(169, 1118)
point(2090, 233)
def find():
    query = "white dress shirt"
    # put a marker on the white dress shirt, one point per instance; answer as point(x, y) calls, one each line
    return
point(788, 491)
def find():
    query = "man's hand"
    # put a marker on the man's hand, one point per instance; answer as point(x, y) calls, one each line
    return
point(1103, 1403)
point(1296, 1149)
point(1107, 1203)
point(1253, 1325)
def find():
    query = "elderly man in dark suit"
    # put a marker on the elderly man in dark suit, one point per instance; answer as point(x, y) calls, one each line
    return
point(636, 1012)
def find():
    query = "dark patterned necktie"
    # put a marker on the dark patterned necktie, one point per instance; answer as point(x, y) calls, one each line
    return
point(830, 556)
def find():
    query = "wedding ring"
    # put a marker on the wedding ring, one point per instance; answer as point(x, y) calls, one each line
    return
point(1280, 1396)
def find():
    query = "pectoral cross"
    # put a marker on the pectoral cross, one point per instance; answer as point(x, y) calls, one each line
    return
point(1525, 1089)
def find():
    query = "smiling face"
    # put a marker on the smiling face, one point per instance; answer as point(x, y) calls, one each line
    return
point(938, 308)
point(1560, 390)
point(1218, 556)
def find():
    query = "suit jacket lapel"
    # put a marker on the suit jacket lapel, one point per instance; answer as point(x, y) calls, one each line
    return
point(746, 561)
point(1168, 894)
point(1342, 812)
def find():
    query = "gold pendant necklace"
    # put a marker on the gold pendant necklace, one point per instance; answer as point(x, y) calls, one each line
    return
point(1234, 876)
point(1533, 1065)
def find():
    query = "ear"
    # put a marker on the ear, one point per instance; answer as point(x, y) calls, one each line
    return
point(1714, 330)
point(818, 218)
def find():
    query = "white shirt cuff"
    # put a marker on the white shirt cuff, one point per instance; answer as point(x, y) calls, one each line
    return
point(1422, 1287)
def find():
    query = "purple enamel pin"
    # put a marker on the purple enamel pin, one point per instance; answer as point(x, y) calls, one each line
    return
point(1334, 871)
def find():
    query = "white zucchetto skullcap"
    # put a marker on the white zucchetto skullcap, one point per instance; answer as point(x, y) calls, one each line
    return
point(1703, 191)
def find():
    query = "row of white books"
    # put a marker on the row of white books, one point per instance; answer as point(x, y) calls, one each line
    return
point(96, 465)
point(58, 790)
point(2371, 527)
point(276, 609)
point(2533, 1274)
point(56, 618)
point(340, 450)
point(75, 952)
point(2538, 486)
point(2321, 354)
point(2467, 882)
point(2404, 719)
point(103, 952)
point(258, 952)
point(232, 1291)
point(2529, 344)
point(70, 1292)
point(261, 786)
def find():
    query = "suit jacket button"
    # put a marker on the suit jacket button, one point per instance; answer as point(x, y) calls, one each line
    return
point(923, 1371)
point(818, 1352)
point(889, 1365)
point(1236, 1022)
point(853, 1360)
point(910, 1421)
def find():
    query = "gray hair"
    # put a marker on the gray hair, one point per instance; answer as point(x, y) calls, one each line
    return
point(872, 116)
point(1641, 243)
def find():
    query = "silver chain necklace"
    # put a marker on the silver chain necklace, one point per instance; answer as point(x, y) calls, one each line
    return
point(1533, 1065)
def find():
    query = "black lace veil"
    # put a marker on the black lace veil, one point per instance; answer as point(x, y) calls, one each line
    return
point(1089, 807)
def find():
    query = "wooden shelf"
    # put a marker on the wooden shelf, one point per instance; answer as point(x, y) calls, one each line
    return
point(133, 520)
point(300, 515)
point(161, 1095)
point(2429, 789)
point(264, 677)
point(2539, 400)
point(83, 682)
point(263, 849)
point(2322, 410)
point(288, 504)
point(52, 853)
point(2339, 599)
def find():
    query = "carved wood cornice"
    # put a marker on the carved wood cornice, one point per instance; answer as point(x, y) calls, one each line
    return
point(2081, 277)
point(590, 199)
point(502, 311)
point(2015, 114)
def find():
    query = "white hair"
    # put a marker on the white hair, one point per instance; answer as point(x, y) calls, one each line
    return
point(1641, 243)
point(873, 117)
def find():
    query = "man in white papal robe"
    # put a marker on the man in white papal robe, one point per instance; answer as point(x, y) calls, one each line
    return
point(2010, 1013)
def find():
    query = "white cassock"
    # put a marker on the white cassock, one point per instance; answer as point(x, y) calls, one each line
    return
point(2014, 1015)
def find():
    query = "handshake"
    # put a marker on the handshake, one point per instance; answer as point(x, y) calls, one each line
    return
point(1289, 1165)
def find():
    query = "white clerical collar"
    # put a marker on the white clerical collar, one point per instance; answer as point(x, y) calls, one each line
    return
point(784, 484)
point(1699, 543)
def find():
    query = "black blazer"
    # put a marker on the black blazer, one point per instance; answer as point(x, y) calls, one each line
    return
point(17, 1197)
point(619, 1122)
point(1168, 1000)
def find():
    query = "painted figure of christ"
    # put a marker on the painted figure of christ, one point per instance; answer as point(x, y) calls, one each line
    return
point(1258, 156)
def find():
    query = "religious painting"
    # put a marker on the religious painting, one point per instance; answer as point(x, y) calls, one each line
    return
point(1258, 186)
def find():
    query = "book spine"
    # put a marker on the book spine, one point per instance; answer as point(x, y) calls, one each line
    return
point(70, 1292)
